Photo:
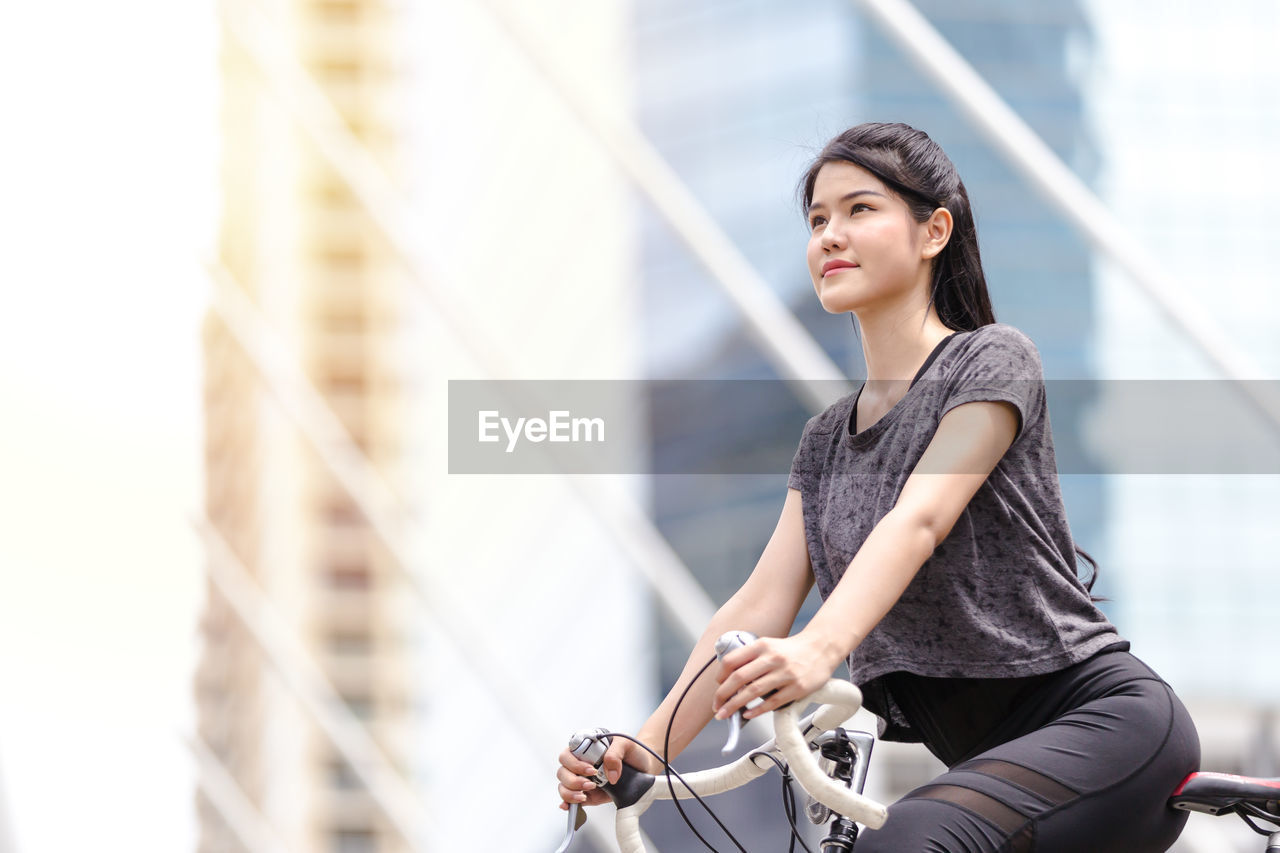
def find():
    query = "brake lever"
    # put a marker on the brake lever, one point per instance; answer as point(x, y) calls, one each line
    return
point(731, 641)
point(589, 745)
point(577, 817)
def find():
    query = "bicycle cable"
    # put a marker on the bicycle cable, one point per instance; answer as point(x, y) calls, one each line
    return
point(671, 771)
point(671, 788)
point(788, 801)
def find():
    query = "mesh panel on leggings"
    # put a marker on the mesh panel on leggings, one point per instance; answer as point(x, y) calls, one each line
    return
point(1006, 819)
point(1051, 791)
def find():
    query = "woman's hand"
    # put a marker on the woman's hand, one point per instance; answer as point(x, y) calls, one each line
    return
point(573, 773)
point(782, 669)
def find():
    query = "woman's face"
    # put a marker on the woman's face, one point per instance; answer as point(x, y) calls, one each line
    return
point(865, 250)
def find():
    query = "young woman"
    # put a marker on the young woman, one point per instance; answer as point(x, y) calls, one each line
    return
point(927, 509)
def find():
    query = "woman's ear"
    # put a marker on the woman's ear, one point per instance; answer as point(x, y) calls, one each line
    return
point(937, 232)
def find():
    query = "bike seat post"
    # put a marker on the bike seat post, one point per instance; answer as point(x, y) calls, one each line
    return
point(1273, 843)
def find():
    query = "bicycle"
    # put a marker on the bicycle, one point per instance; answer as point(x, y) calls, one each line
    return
point(835, 790)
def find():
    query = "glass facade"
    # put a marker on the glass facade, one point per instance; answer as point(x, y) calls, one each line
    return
point(1188, 146)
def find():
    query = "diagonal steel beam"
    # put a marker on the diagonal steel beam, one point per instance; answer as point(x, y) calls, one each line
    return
point(786, 344)
point(1014, 141)
point(304, 678)
point(241, 816)
point(673, 584)
point(309, 412)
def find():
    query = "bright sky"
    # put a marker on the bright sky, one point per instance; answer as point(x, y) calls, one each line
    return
point(109, 176)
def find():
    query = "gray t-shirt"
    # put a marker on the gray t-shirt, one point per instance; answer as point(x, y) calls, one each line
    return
point(999, 597)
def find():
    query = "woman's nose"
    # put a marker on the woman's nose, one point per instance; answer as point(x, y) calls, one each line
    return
point(831, 238)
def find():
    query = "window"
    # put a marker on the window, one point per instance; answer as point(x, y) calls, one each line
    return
point(354, 841)
point(351, 643)
point(342, 777)
point(343, 512)
point(352, 577)
point(360, 704)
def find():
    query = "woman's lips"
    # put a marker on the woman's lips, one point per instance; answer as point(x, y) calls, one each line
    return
point(833, 267)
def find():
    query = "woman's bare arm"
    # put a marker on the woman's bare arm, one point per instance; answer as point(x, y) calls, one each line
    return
point(969, 441)
point(766, 605)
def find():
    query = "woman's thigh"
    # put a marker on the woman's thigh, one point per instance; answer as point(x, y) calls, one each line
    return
point(1096, 778)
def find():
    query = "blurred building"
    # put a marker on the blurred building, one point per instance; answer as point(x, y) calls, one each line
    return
point(1182, 138)
point(1189, 149)
point(295, 239)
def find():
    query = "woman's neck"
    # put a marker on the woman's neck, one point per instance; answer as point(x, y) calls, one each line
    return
point(895, 347)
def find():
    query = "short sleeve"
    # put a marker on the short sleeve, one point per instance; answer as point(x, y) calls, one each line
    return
point(806, 465)
point(1001, 364)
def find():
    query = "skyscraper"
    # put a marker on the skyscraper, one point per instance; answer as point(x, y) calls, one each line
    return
point(296, 241)
point(1191, 131)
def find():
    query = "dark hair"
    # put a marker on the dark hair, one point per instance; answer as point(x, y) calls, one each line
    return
point(916, 168)
point(1093, 575)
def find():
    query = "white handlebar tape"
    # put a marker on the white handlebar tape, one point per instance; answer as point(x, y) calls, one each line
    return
point(627, 827)
point(844, 699)
point(714, 780)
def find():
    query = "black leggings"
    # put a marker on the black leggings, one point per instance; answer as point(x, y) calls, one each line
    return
point(1087, 764)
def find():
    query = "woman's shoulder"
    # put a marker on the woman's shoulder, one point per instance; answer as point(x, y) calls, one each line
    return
point(1000, 343)
point(1001, 333)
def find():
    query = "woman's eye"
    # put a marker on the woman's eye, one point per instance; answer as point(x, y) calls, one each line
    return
point(859, 206)
point(816, 223)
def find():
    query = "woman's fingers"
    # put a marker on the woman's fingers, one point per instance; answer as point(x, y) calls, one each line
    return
point(745, 655)
point(740, 688)
point(577, 789)
point(573, 781)
point(575, 764)
point(577, 777)
point(781, 671)
point(737, 658)
point(775, 700)
point(762, 687)
point(582, 798)
point(743, 674)
point(612, 762)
